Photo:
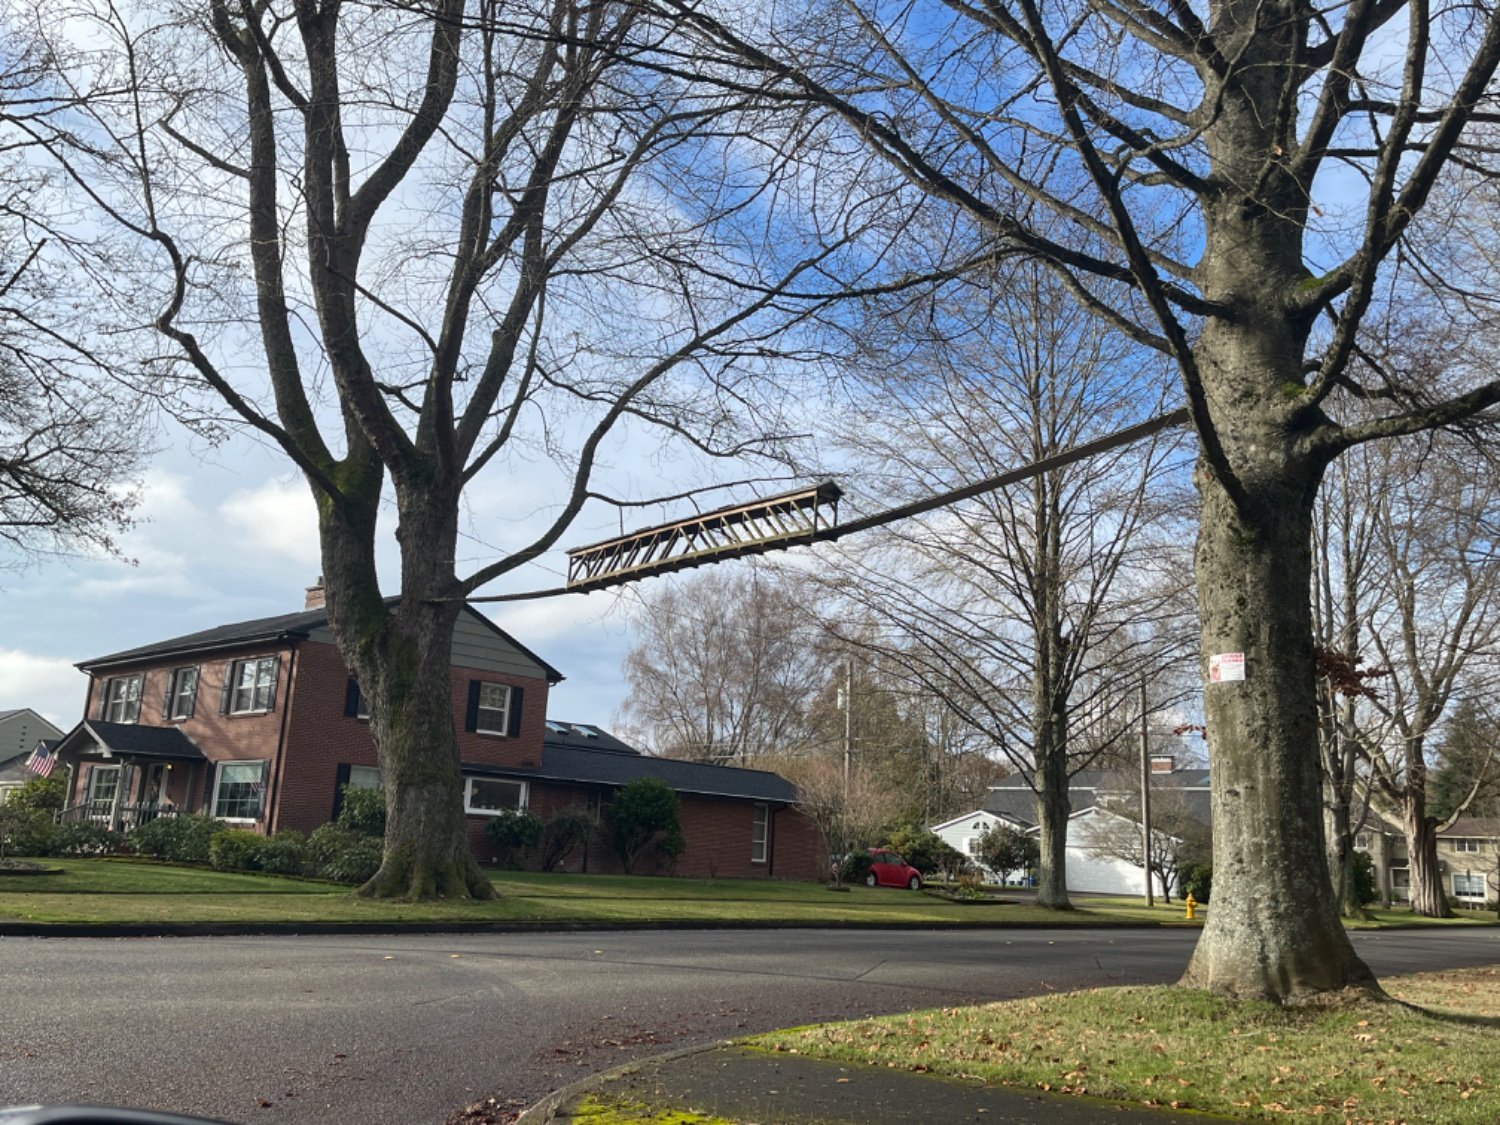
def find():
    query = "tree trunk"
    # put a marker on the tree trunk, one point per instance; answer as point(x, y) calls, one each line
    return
point(1052, 811)
point(402, 658)
point(1427, 897)
point(1274, 931)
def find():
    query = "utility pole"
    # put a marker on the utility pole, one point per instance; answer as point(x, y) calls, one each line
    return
point(848, 720)
point(1146, 797)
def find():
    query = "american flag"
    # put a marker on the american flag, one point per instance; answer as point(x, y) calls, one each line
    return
point(41, 761)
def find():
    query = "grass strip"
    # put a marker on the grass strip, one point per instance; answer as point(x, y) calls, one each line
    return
point(1188, 1049)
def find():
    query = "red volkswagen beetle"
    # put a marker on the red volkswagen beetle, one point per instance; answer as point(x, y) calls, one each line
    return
point(887, 869)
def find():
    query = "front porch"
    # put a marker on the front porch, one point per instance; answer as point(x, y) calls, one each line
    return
point(124, 775)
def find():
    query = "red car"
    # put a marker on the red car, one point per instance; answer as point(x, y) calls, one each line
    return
point(888, 869)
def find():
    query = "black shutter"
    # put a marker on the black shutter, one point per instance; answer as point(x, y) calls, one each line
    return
point(265, 786)
point(228, 688)
point(103, 699)
point(340, 780)
point(513, 719)
point(471, 719)
point(166, 699)
point(209, 769)
point(351, 707)
point(275, 683)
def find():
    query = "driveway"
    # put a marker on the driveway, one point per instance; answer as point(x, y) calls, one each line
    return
point(405, 1029)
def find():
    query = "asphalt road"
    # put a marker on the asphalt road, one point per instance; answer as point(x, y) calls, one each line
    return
point(401, 1030)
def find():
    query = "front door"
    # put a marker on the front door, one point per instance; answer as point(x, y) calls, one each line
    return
point(153, 784)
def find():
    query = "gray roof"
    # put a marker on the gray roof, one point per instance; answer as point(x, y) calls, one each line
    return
point(1473, 827)
point(285, 627)
point(133, 740)
point(572, 755)
point(1012, 796)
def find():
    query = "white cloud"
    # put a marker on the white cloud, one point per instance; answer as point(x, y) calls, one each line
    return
point(277, 517)
point(49, 685)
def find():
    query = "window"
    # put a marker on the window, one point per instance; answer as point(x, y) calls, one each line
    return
point(182, 692)
point(104, 785)
point(487, 796)
point(971, 845)
point(252, 685)
point(1362, 841)
point(1468, 886)
point(1463, 845)
point(494, 708)
point(758, 829)
point(364, 777)
point(122, 699)
point(237, 790)
point(356, 706)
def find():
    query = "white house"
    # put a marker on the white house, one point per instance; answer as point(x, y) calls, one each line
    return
point(1012, 802)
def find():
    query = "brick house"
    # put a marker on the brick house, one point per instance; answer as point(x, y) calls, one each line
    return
point(260, 724)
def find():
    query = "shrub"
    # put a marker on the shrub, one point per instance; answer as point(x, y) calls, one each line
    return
point(26, 832)
point(514, 833)
point(362, 811)
point(856, 867)
point(644, 813)
point(334, 852)
point(46, 794)
point(180, 839)
point(85, 840)
point(928, 852)
point(567, 830)
point(234, 849)
point(1004, 850)
point(284, 853)
point(1366, 887)
point(1197, 879)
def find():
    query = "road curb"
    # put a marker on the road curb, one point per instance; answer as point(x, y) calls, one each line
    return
point(284, 929)
point(546, 1110)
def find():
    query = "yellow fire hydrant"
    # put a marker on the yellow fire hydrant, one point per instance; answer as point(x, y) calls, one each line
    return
point(1192, 908)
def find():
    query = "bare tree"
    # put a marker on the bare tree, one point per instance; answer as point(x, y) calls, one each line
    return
point(1187, 172)
point(73, 431)
point(724, 668)
point(1179, 836)
point(849, 809)
point(1021, 609)
point(422, 248)
point(1433, 618)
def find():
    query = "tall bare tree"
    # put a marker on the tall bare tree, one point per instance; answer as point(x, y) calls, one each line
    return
point(1433, 618)
point(1188, 172)
point(1020, 610)
point(74, 429)
point(724, 668)
point(429, 248)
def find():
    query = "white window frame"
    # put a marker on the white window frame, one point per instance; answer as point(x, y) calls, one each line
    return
point(521, 803)
point(1482, 893)
point(369, 774)
point(1465, 844)
point(503, 710)
point(176, 709)
point(760, 832)
point(219, 767)
point(131, 704)
point(236, 686)
point(1362, 841)
point(94, 775)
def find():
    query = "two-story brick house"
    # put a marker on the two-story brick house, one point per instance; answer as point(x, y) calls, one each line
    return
point(260, 724)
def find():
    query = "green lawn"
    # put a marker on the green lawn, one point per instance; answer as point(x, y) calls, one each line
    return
point(1369, 1062)
point(123, 891)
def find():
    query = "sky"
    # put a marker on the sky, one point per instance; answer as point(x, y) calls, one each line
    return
point(231, 534)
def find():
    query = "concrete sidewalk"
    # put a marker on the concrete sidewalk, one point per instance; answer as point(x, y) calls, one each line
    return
point(742, 1085)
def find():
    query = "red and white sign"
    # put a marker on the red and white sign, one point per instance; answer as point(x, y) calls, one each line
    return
point(1226, 667)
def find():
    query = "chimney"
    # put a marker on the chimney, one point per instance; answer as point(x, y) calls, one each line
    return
point(1163, 763)
point(317, 595)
